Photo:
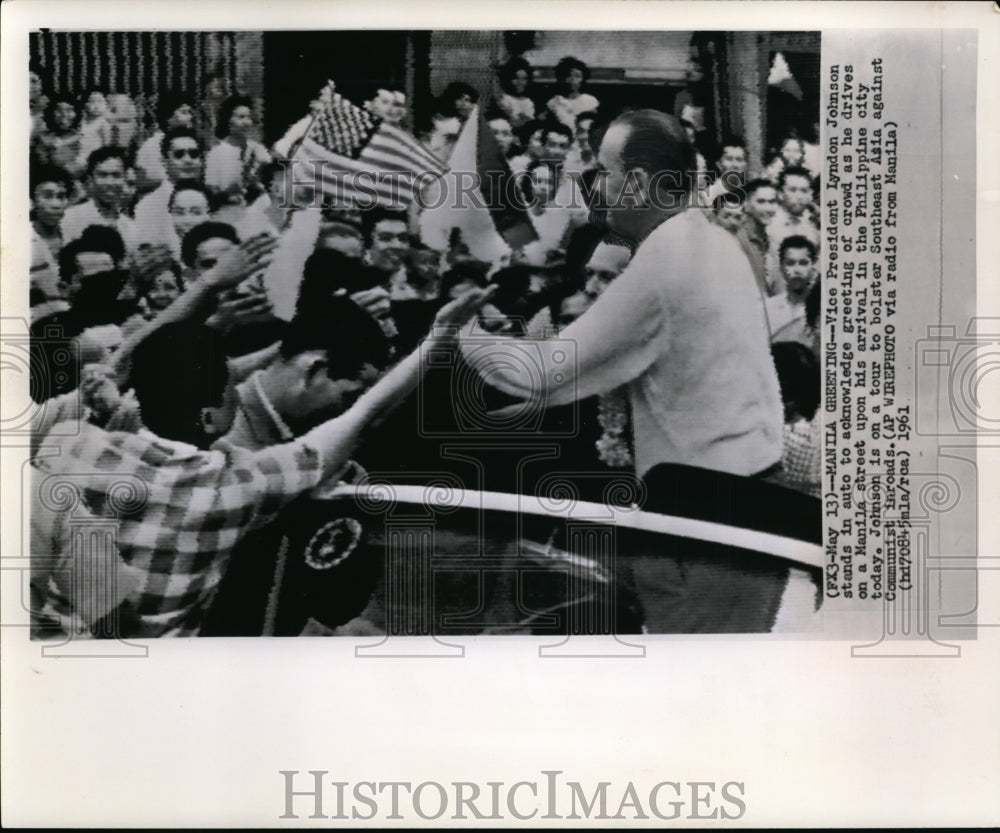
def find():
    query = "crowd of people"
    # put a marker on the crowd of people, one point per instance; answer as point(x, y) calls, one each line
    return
point(239, 342)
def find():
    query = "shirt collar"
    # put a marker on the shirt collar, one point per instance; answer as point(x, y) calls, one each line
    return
point(284, 432)
point(755, 229)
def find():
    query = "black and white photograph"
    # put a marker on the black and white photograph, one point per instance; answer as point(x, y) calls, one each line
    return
point(425, 332)
point(554, 363)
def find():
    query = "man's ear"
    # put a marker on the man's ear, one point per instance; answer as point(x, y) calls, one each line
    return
point(206, 422)
point(309, 365)
point(643, 179)
point(635, 187)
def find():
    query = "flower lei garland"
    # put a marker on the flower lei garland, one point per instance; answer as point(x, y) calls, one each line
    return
point(613, 448)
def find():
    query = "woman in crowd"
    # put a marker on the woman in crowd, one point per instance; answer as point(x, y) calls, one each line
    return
point(59, 143)
point(388, 105)
point(454, 106)
point(500, 128)
point(158, 282)
point(515, 77)
point(789, 155)
point(38, 97)
point(232, 166)
point(95, 129)
point(571, 75)
point(531, 136)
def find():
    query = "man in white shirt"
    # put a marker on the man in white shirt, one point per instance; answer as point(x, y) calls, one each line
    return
point(683, 328)
point(183, 159)
point(173, 110)
point(796, 212)
point(106, 206)
point(786, 313)
point(683, 325)
point(732, 169)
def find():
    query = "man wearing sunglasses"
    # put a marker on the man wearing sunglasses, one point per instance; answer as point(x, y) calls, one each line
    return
point(183, 159)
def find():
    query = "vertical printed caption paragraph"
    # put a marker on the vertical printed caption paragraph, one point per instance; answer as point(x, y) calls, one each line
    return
point(866, 489)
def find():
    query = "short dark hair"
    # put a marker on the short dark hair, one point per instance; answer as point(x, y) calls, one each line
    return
point(191, 185)
point(454, 91)
point(178, 370)
point(97, 299)
point(42, 173)
point(507, 71)
point(374, 216)
point(756, 184)
point(461, 273)
point(153, 261)
point(567, 65)
point(177, 133)
point(798, 376)
point(658, 143)
point(527, 183)
point(731, 140)
point(168, 103)
point(103, 154)
point(93, 239)
point(512, 284)
point(494, 113)
point(348, 334)
point(557, 127)
point(528, 129)
point(37, 67)
point(731, 199)
point(226, 112)
point(50, 110)
point(797, 241)
point(199, 234)
point(794, 170)
point(327, 271)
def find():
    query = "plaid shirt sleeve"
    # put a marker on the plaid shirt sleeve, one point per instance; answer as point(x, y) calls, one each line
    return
point(186, 511)
point(802, 456)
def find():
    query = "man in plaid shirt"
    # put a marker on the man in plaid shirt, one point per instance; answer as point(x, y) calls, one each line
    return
point(195, 502)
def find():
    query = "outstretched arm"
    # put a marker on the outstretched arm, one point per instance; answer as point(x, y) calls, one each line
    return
point(337, 439)
point(242, 262)
point(612, 343)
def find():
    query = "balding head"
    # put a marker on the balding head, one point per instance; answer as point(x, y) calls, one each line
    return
point(656, 142)
point(651, 168)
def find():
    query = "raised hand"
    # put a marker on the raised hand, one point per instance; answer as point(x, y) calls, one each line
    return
point(375, 301)
point(98, 389)
point(460, 311)
point(239, 306)
point(250, 258)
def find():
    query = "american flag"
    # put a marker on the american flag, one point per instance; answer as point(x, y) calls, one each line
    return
point(357, 159)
